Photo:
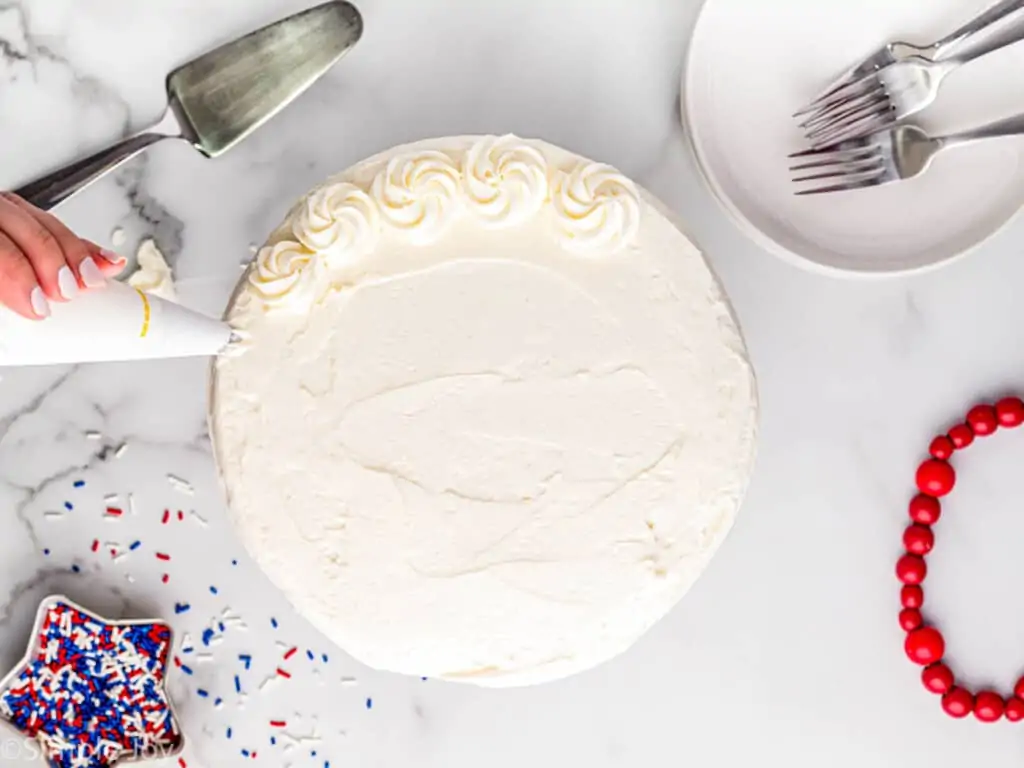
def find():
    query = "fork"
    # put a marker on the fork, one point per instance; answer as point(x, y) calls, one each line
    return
point(892, 94)
point(897, 51)
point(892, 155)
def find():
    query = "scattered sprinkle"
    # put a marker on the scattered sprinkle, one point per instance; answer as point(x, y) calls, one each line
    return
point(186, 669)
point(324, 657)
point(213, 591)
point(120, 450)
point(207, 635)
point(290, 653)
point(131, 503)
point(95, 545)
point(165, 578)
point(246, 659)
point(114, 512)
point(273, 622)
point(135, 545)
point(204, 693)
point(181, 485)
point(278, 724)
point(68, 506)
point(167, 516)
point(75, 568)
point(238, 684)
point(162, 556)
point(200, 519)
point(369, 703)
point(283, 673)
point(53, 513)
point(79, 483)
point(309, 655)
point(228, 734)
point(181, 607)
point(234, 562)
point(93, 435)
point(110, 499)
point(46, 552)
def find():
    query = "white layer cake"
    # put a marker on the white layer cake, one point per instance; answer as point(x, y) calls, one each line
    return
point(495, 414)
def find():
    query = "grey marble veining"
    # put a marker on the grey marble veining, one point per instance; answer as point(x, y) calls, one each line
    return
point(786, 652)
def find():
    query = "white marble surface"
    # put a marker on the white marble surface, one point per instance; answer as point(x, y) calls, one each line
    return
point(786, 652)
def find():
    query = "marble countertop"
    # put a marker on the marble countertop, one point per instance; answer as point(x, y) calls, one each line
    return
point(787, 651)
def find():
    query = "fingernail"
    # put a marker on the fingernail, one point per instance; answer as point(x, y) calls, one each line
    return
point(110, 256)
point(66, 283)
point(39, 303)
point(90, 273)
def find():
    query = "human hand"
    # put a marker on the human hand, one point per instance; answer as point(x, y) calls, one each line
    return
point(41, 260)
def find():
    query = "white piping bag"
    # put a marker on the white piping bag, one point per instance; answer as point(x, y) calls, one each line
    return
point(115, 322)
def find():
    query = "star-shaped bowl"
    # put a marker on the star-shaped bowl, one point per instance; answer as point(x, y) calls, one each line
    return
point(93, 691)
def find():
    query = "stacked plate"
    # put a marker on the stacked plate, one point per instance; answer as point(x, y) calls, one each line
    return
point(751, 65)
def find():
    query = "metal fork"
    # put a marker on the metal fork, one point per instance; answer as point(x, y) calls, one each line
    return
point(897, 51)
point(881, 158)
point(892, 94)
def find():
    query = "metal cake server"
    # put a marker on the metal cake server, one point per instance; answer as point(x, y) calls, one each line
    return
point(217, 100)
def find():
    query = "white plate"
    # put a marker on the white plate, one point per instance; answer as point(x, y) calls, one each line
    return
point(752, 64)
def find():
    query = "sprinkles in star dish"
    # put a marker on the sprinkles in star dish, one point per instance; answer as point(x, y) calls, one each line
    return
point(91, 690)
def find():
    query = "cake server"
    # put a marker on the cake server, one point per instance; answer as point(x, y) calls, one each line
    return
point(217, 100)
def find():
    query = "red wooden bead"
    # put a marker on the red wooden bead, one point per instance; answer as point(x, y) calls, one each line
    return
point(925, 509)
point(988, 706)
point(911, 569)
point(983, 420)
point(911, 596)
point(924, 645)
point(1018, 689)
point(937, 677)
point(910, 619)
point(941, 448)
point(957, 702)
point(961, 436)
point(1015, 709)
point(935, 478)
point(918, 539)
point(1010, 411)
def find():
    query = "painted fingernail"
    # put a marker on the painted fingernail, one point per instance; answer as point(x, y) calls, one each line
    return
point(90, 273)
point(66, 283)
point(112, 257)
point(39, 303)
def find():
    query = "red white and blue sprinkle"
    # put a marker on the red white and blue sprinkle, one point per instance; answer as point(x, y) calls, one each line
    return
point(92, 693)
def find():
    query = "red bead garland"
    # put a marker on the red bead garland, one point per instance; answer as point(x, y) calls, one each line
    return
point(924, 644)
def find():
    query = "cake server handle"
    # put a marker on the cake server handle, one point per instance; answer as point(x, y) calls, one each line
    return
point(52, 189)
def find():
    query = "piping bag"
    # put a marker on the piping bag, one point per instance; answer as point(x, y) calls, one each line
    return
point(115, 322)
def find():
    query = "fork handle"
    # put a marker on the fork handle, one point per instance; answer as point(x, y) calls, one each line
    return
point(1010, 126)
point(976, 26)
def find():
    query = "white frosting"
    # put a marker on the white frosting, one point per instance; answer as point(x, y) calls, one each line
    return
point(482, 457)
point(505, 180)
point(154, 275)
point(418, 193)
point(285, 275)
point(339, 220)
point(598, 208)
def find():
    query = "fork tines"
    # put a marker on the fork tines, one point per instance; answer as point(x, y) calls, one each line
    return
point(857, 109)
point(842, 167)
